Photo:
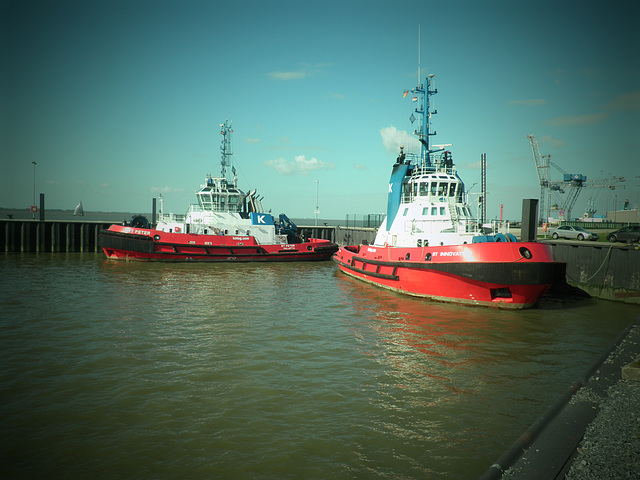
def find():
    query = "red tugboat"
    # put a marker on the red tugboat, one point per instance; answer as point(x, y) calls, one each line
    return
point(226, 225)
point(429, 244)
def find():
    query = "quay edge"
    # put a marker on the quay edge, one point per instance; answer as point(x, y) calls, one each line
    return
point(22, 235)
point(603, 270)
point(64, 236)
point(590, 431)
point(50, 235)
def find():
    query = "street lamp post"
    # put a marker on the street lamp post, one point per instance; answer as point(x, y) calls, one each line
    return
point(317, 204)
point(34, 191)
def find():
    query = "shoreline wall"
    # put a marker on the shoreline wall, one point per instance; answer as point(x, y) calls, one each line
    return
point(50, 235)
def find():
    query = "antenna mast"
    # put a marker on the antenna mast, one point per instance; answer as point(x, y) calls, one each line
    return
point(418, 54)
point(422, 95)
point(225, 148)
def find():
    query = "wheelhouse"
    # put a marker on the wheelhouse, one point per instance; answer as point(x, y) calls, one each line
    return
point(219, 195)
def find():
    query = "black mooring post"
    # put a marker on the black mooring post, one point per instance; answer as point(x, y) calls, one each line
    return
point(42, 207)
point(153, 213)
point(529, 231)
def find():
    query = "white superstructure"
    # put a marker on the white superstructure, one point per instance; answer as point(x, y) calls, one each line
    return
point(223, 209)
point(432, 209)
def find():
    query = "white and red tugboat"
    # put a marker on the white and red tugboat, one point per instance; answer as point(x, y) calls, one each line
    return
point(226, 225)
point(429, 244)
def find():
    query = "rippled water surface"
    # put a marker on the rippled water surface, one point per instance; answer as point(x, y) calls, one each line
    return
point(152, 370)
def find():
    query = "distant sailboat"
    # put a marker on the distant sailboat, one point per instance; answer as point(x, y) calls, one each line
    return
point(79, 210)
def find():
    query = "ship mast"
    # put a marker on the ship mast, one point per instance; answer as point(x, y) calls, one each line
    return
point(422, 95)
point(225, 149)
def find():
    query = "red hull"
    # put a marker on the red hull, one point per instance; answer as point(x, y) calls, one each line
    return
point(128, 243)
point(505, 275)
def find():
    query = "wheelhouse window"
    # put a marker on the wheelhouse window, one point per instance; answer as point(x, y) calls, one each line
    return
point(452, 189)
point(423, 189)
point(407, 191)
point(205, 201)
point(442, 189)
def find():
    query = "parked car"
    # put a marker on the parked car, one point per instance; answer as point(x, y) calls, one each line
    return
point(569, 231)
point(626, 234)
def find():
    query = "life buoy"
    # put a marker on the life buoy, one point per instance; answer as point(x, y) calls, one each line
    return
point(386, 244)
point(177, 229)
point(34, 208)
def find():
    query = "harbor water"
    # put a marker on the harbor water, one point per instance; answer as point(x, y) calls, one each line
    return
point(269, 371)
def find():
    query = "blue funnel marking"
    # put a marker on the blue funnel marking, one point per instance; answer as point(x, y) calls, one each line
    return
point(395, 191)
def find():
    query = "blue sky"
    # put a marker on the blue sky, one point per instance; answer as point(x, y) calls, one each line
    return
point(120, 101)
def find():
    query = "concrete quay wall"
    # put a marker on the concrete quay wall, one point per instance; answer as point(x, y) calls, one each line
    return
point(603, 270)
point(340, 235)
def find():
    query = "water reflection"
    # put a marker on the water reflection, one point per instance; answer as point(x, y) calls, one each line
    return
point(448, 374)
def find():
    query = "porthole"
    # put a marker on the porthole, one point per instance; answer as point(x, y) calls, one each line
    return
point(428, 257)
point(525, 253)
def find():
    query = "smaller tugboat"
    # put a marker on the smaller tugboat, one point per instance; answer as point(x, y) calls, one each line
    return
point(429, 244)
point(226, 225)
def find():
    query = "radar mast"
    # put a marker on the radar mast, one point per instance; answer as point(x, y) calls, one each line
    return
point(225, 149)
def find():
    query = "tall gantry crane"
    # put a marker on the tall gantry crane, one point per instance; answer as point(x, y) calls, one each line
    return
point(571, 182)
point(544, 177)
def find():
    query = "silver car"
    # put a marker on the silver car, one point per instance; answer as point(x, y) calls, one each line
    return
point(571, 232)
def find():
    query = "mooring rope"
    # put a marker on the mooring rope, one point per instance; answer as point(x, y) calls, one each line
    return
point(598, 271)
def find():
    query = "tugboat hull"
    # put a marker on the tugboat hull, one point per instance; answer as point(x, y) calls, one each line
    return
point(129, 243)
point(502, 275)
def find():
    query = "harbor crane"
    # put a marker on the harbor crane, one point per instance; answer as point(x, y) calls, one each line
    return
point(573, 183)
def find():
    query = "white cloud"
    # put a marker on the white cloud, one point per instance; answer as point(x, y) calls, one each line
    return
point(574, 120)
point(288, 75)
point(559, 76)
point(528, 103)
point(392, 139)
point(251, 140)
point(359, 166)
point(552, 142)
point(305, 71)
point(625, 102)
point(299, 166)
